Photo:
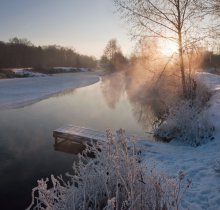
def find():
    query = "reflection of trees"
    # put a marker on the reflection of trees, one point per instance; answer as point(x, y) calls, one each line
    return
point(142, 114)
point(65, 92)
point(133, 83)
point(136, 89)
point(146, 93)
point(113, 87)
point(142, 111)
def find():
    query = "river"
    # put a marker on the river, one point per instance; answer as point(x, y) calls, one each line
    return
point(27, 151)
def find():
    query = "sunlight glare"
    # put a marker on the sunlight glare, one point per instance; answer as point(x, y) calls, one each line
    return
point(168, 48)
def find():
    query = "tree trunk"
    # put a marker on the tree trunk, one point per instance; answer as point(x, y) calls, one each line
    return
point(181, 62)
point(180, 45)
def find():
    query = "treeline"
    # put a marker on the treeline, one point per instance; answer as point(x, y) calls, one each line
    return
point(22, 53)
point(211, 60)
point(146, 51)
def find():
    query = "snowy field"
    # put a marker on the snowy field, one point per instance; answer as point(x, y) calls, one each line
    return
point(199, 163)
point(19, 92)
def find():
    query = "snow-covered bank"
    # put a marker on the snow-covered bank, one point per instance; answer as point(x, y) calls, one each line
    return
point(27, 73)
point(19, 92)
point(198, 163)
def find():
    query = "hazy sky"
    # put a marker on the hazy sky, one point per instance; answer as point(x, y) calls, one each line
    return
point(85, 25)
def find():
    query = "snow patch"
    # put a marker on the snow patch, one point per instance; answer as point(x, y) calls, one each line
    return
point(27, 73)
point(23, 91)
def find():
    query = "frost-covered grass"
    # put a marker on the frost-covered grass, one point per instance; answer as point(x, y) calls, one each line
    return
point(115, 179)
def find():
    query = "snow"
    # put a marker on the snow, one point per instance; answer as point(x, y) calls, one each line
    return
point(27, 72)
point(199, 163)
point(69, 69)
point(23, 91)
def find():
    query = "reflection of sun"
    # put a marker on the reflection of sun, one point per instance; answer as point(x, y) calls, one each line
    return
point(168, 47)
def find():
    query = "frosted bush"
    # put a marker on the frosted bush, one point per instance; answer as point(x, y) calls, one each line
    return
point(115, 179)
point(202, 96)
point(186, 123)
point(186, 120)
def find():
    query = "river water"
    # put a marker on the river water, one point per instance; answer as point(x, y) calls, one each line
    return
point(27, 151)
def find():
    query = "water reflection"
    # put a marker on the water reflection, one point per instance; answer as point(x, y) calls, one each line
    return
point(132, 83)
point(68, 146)
point(65, 92)
point(113, 87)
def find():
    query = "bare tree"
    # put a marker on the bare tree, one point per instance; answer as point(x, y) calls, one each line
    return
point(112, 58)
point(181, 21)
point(212, 6)
point(111, 49)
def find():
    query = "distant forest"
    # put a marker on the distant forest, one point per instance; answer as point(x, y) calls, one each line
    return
point(22, 53)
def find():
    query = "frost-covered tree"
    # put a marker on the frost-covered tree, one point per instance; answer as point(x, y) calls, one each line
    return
point(184, 22)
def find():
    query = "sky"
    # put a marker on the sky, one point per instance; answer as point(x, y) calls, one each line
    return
point(84, 25)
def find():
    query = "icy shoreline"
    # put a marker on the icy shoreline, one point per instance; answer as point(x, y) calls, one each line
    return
point(18, 92)
point(197, 162)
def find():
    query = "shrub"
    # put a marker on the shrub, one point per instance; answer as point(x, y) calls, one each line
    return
point(202, 95)
point(115, 179)
point(186, 120)
point(187, 124)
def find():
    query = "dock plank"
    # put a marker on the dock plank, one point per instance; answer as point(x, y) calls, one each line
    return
point(78, 134)
point(81, 134)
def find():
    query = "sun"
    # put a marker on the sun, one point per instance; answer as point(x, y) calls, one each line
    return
point(168, 48)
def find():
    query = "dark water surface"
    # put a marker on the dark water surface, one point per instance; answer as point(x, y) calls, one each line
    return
point(27, 150)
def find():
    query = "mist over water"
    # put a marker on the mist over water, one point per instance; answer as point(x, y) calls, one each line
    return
point(133, 86)
point(27, 150)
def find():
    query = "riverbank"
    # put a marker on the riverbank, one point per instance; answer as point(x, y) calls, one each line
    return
point(19, 92)
point(198, 163)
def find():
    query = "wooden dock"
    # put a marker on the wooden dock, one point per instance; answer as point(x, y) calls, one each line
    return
point(68, 146)
point(78, 134)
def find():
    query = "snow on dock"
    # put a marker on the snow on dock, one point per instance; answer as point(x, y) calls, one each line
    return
point(78, 134)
